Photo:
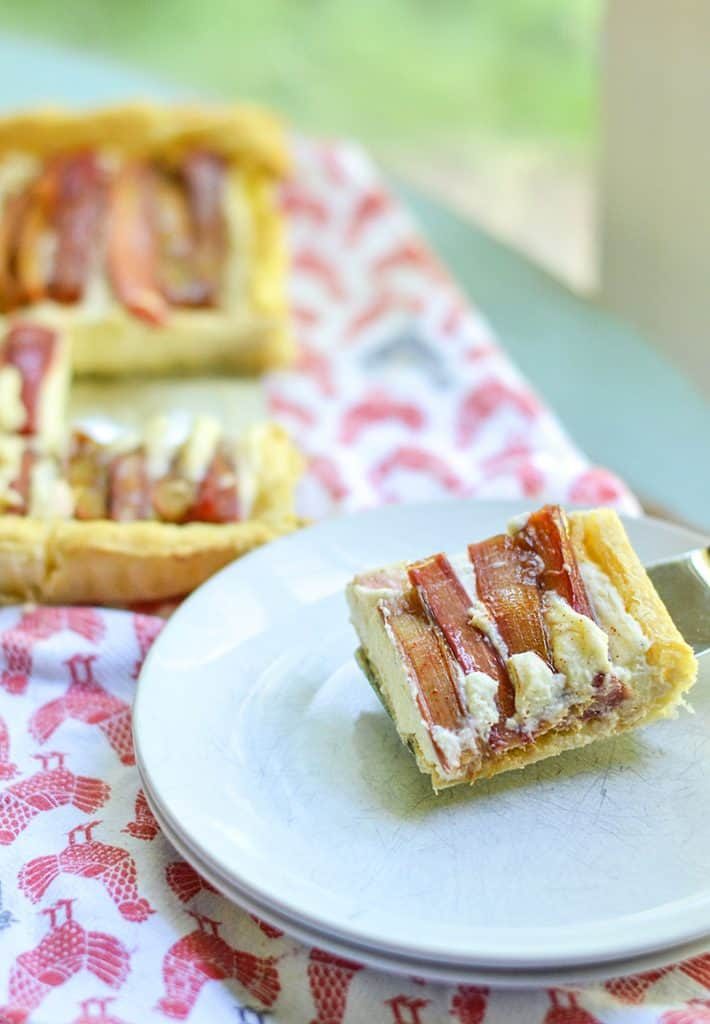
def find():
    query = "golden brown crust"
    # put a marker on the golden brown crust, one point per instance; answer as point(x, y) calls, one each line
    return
point(103, 562)
point(599, 537)
point(237, 131)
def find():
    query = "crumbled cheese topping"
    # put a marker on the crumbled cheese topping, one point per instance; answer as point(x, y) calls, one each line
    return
point(159, 448)
point(198, 451)
point(12, 410)
point(449, 743)
point(580, 648)
point(538, 690)
point(480, 692)
point(247, 460)
point(628, 643)
point(51, 497)
point(479, 617)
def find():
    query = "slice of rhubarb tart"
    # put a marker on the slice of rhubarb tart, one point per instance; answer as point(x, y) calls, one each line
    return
point(532, 642)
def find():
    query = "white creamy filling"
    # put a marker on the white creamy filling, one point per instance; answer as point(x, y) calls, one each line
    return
point(479, 617)
point(539, 692)
point(580, 648)
point(50, 496)
point(199, 449)
point(449, 743)
point(159, 448)
point(480, 693)
point(247, 462)
point(628, 643)
point(12, 410)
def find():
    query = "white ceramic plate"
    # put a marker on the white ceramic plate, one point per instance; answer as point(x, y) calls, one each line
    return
point(277, 772)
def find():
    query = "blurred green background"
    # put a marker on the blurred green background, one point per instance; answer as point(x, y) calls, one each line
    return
point(491, 105)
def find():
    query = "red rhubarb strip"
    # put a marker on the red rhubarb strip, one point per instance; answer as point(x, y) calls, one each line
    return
point(171, 218)
point(129, 488)
point(132, 251)
point(22, 485)
point(545, 533)
point(205, 182)
point(507, 584)
point(428, 660)
point(80, 202)
point(448, 604)
point(217, 497)
point(31, 349)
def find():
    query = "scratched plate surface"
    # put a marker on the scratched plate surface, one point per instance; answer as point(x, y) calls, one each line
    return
point(269, 755)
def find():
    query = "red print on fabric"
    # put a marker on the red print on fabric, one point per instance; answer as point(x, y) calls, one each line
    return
point(594, 487)
point(410, 255)
point(384, 304)
point(40, 624)
point(301, 203)
point(516, 458)
point(144, 826)
point(694, 1013)
point(87, 857)
point(409, 459)
point(370, 206)
point(146, 629)
point(406, 1009)
point(469, 1004)
point(310, 263)
point(296, 411)
point(329, 979)
point(633, 988)
point(185, 882)
point(379, 408)
point(268, 929)
point(93, 1011)
point(326, 472)
point(486, 399)
point(66, 950)
point(566, 1010)
point(87, 701)
point(203, 956)
point(7, 769)
point(51, 787)
point(318, 367)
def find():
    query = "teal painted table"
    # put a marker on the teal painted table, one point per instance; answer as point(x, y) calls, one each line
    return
point(624, 404)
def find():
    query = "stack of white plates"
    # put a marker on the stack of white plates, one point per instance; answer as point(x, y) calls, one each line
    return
point(274, 770)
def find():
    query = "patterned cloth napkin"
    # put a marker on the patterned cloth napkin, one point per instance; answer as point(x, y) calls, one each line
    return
point(400, 393)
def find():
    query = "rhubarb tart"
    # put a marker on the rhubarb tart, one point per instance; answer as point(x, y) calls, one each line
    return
point(532, 642)
point(152, 233)
point(141, 519)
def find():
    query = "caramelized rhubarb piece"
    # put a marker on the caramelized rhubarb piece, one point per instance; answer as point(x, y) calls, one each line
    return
point(173, 498)
point(132, 255)
point(545, 533)
point(429, 662)
point(87, 475)
point(129, 488)
point(31, 349)
point(507, 584)
point(205, 180)
point(217, 496)
point(79, 206)
point(178, 271)
point(448, 604)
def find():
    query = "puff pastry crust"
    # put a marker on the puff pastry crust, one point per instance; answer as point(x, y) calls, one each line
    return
point(660, 666)
point(118, 563)
point(247, 330)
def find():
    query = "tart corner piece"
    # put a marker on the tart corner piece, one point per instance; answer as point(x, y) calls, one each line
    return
point(536, 641)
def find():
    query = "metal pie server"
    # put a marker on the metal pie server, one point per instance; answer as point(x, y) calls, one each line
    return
point(683, 584)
